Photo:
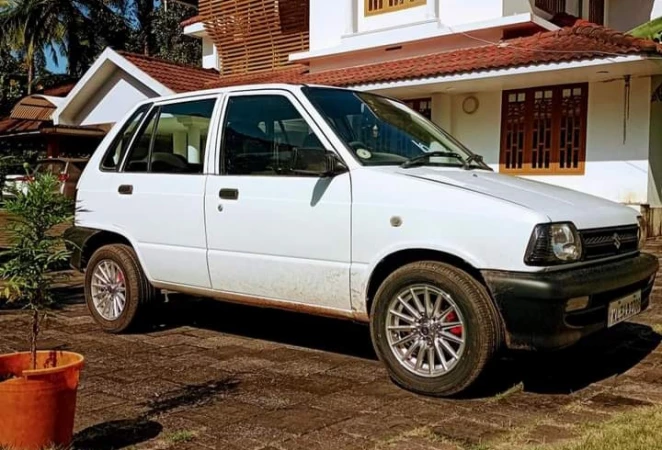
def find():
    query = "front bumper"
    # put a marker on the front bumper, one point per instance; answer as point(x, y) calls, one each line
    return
point(533, 305)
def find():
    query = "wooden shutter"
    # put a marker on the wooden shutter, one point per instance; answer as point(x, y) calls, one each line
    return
point(596, 13)
point(256, 35)
point(551, 6)
point(543, 130)
point(421, 105)
point(373, 7)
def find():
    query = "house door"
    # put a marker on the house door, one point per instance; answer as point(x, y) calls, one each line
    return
point(273, 234)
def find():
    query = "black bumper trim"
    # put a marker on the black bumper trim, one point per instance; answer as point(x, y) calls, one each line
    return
point(533, 304)
point(77, 238)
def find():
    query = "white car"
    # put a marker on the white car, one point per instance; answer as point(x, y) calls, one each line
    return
point(348, 204)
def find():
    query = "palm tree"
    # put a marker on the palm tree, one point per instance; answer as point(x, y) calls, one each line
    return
point(32, 26)
point(58, 28)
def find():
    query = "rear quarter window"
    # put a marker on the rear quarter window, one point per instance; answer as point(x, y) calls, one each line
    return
point(117, 149)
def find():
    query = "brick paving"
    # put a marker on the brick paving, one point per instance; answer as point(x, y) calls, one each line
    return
point(209, 375)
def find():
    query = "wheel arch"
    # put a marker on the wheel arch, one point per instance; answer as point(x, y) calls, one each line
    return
point(393, 261)
point(98, 239)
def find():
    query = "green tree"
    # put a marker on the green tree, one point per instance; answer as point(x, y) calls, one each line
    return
point(36, 250)
point(32, 27)
point(171, 44)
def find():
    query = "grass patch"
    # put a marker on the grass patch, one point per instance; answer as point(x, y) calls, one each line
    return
point(519, 387)
point(179, 437)
point(657, 328)
point(639, 429)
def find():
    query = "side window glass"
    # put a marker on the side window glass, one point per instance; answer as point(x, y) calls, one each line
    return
point(263, 134)
point(174, 139)
point(138, 159)
point(181, 137)
point(117, 149)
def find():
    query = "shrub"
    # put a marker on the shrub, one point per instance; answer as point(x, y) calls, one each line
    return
point(35, 250)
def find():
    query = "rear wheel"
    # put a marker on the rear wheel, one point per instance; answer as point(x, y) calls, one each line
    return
point(435, 328)
point(116, 288)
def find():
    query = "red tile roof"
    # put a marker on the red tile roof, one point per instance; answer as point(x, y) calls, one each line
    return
point(583, 41)
point(9, 126)
point(191, 21)
point(178, 77)
point(59, 91)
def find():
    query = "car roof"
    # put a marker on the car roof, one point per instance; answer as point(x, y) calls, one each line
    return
point(230, 89)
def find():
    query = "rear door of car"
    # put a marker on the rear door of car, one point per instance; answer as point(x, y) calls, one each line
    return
point(155, 196)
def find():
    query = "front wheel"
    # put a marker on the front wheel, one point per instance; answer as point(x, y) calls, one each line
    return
point(435, 327)
point(116, 288)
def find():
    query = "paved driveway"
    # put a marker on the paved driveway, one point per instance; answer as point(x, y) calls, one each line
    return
point(214, 375)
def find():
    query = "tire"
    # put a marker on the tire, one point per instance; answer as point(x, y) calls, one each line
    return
point(138, 292)
point(469, 304)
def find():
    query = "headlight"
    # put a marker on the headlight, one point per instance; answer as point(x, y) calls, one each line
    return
point(554, 243)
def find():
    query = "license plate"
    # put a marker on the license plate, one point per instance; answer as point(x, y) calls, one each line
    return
point(624, 308)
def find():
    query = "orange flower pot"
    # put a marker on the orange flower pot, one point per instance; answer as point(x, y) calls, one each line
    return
point(37, 407)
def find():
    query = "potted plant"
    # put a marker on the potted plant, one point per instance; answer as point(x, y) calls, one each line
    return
point(37, 388)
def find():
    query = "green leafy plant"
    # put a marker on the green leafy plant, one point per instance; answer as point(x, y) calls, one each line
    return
point(28, 275)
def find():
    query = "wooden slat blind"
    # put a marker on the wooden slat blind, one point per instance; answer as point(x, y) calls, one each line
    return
point(551, 6)
point(543, 130)
point(596, 13)
point(256, 35)
point(373, 7)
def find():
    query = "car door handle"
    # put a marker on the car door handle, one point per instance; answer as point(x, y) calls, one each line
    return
point(229, 194)
point(125, 189)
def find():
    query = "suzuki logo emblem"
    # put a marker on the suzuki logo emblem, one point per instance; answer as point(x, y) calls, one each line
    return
point(617, 241)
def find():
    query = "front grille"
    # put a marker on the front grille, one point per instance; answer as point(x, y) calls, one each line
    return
point(606, 242)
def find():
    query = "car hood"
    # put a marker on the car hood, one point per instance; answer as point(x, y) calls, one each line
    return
point(557, 203)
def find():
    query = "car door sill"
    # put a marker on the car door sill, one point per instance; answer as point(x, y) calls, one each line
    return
point(264, 302)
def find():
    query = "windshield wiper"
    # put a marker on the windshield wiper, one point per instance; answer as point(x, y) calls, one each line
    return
point(421, 159)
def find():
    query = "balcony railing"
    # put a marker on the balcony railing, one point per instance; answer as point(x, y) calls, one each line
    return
point(374, 7)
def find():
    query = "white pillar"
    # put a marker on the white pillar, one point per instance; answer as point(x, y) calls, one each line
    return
point(442, 111)
point(179, 143)
point(194, 145)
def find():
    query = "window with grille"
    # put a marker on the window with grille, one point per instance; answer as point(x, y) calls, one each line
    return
point(373, 7)
point(422, 106)
point(551, 6)
point(543, 130)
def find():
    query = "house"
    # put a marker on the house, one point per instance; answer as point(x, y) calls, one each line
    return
point(552, 90)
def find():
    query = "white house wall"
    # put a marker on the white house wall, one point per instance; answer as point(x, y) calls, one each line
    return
point(209, 54)
point(614, 170)
point(655, 153)
point(113, 99)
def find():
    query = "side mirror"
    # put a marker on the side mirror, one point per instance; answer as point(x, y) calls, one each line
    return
point(316, 162)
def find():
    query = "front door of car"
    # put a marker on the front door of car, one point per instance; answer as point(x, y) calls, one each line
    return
point(274, 233)
point(159, 193)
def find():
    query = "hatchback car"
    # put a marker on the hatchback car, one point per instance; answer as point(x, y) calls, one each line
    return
point(349, 204)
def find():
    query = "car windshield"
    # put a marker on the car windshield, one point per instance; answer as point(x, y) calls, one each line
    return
point(383, 131)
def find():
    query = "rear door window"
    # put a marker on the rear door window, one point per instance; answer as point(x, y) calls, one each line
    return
point(117, 149)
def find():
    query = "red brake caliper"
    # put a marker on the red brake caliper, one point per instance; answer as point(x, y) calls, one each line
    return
point(452, 317)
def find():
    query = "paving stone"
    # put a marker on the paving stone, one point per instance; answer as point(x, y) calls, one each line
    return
point(608, 402)
point(467, 432)
point(300, 419)
point(549, 434)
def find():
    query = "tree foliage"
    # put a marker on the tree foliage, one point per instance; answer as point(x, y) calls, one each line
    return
point(78, 31)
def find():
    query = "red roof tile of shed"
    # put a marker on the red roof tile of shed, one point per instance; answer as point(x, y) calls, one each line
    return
point(178, 77)
point(191, 21)
point(584, 41)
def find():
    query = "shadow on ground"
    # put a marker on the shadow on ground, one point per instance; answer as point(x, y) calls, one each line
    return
point(117, 434)
point(599, 357)
point(303, 330)
point(604, 355)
